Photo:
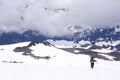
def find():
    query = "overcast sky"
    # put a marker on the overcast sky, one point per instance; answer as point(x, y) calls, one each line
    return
point(19, 15)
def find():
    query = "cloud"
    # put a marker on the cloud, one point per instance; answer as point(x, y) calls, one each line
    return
point(52, 17)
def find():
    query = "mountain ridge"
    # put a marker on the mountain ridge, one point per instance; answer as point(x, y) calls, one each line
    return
point(78, 35)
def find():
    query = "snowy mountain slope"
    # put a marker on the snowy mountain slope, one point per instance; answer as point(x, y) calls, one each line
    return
point(96, 51)
point(114, 45)
point(57, 56)
point(107, 38)
point(79, 36)
point(35, 51)
point(46, 51)
point(61, 65)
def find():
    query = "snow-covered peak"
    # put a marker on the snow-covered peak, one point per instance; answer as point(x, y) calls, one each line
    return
point(78, 28)
point(38, 54)
point(117, 29)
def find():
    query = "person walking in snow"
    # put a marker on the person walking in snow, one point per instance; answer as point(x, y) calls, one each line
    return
point(92, 60)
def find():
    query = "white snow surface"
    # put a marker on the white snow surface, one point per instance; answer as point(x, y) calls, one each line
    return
point(102, 50)
point(62, 65)
point(70, 44)
point(113, 43)
point(117, 29)
point(61, 42)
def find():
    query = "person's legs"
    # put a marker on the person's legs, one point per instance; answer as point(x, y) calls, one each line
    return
point(92, 65)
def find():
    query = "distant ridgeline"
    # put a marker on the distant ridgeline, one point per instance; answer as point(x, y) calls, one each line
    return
point(96, 35)
point(105, 37)
point(14, 37)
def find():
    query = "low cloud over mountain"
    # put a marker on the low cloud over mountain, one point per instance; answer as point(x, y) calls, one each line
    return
point(52, 17)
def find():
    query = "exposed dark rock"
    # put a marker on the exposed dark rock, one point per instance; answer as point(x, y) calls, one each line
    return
point(46, 43)
point(37, 57)
point(12, 62)
point(32, 43)
point(95, 47)
point(93, 53)
point(22, 49)
point(118, 47)
point(28, 52)
point(2, 49)
point(116, 55)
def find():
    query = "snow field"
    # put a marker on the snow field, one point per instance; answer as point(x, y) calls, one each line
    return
point(62, 65)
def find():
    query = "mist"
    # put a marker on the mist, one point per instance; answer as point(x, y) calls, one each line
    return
point(52, 17)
